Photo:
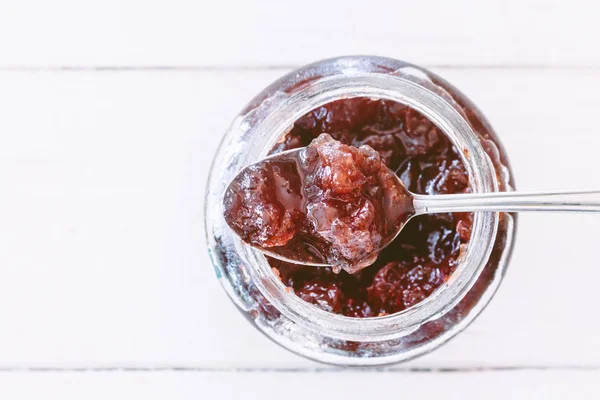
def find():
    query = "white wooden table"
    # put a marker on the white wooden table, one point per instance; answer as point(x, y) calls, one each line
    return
point(110, 112)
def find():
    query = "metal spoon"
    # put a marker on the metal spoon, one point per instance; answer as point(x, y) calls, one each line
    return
point(402, 205)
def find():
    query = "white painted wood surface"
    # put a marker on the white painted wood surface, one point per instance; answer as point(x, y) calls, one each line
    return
point(110, 114)
point(275, 32)
point(492, 385)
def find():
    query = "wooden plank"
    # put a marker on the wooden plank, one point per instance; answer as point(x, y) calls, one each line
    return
point(102, 243)
point(546, 385)
point(237, 33)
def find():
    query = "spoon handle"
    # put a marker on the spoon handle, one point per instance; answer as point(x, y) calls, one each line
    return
point(574, 201)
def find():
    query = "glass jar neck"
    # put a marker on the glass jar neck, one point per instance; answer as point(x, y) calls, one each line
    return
point(277, 114)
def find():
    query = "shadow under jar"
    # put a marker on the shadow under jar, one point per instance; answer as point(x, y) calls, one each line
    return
point(442, 269)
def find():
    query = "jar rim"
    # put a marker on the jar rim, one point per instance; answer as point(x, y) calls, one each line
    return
point(350, 82)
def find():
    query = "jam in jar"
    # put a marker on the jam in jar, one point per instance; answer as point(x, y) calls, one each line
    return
point(441, 270)
point(425, 253)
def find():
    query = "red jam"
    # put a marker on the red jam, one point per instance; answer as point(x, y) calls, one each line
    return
point(328, 203)
point(425, 253)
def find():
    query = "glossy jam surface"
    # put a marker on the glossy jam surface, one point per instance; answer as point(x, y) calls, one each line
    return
point(328, 203)
point(425, 253)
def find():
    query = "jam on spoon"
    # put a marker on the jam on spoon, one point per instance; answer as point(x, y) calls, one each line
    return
point(327, 203)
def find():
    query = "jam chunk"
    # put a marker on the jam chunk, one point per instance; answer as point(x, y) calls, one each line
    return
point(263, 204)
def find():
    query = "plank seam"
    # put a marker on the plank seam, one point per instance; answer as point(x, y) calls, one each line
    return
point(241, 68)
point(409, 370)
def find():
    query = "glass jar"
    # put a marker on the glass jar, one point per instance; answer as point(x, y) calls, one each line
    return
point(314, 333)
